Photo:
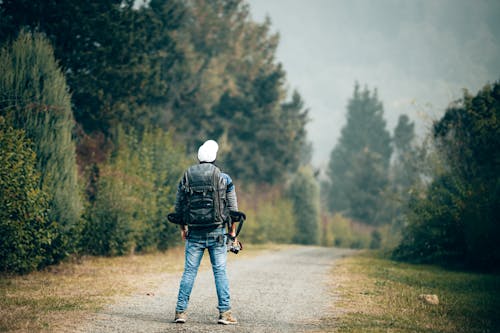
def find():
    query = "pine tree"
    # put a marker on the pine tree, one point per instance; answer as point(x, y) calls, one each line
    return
point(404, 169)
point(36, 98)
point(358, 168)
point(404, 173)
point(238, 94)
point(304, 194)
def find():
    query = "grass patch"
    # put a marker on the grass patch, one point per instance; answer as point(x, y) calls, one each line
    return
point(379, 295)
point(61, 297)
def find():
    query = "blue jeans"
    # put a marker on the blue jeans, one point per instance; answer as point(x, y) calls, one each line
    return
point(197, 242)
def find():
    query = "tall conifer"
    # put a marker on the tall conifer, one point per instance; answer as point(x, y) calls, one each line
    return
point(36, 98)
point(304, 194)
point(358, 168)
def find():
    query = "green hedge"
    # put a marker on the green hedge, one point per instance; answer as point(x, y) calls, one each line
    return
point(25, 231)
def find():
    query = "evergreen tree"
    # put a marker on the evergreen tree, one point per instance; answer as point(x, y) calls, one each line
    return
point(35, 96)
point(238, 94)
point(294, 117)
point(256, 121)
point(208, 36)
point(404, 172)
point(304, 194)
point(404, 135)
point(358, 167)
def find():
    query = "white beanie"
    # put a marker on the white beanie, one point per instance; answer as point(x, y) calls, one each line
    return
point(208, 151)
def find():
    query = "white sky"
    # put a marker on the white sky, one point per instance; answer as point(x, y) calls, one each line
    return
point(419, 54)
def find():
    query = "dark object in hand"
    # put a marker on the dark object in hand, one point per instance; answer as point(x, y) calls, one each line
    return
point(175, 218)
point(235, 246)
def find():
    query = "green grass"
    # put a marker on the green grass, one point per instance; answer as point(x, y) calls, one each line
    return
point(379, 295)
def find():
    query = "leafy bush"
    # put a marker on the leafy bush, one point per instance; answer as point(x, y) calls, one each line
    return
point(269, 215)
point(135, 192)
point(108, 227)
point(435, 233)
point(25, 230)
point(336, 231)
point(340, 231)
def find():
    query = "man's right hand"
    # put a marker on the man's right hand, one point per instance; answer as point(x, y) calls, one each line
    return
point(183, 234)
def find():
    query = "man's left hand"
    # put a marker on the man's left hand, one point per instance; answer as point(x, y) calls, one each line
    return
point(183, 234)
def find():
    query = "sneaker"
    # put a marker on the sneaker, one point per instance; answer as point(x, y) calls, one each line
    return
point(226, 318)
point(180, 317)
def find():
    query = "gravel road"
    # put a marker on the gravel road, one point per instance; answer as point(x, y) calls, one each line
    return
point(282, 291)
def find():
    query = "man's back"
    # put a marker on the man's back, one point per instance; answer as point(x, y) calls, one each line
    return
point(205, 192)
point(204, 198)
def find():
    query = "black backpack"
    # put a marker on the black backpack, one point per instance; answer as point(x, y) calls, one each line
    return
point(205, 197)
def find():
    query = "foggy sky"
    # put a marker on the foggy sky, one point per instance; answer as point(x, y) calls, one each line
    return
point(420, 55)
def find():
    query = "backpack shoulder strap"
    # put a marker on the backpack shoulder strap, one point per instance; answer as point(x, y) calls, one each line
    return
point(185, 180)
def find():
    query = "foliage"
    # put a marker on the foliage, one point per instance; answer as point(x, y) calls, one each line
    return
point(240, 95)
point(335, 231)
point(135, 191)
point(358, 168)
point(202, 67)
point(277, 132)
point(107, 229)
point(406, 175)
point(199, 68)
point(25, 229)
point(35, 96)
point(456, 221)
point(118, 60)
point(340, 231)
point(404, 170)
point(270, 216)
point(304, 195)
point(391, 235)
point(435, 233)
point(376, 239)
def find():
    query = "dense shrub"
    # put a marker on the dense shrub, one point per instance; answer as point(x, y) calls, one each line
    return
point(435, 233)
point(136, 190)
point(25, 230)
point(107, 220)
point(336, 231)
point(339, 231)
point(269, 214)
point(455, 221)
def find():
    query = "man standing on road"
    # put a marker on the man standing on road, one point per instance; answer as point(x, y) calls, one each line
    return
point(205, 197)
